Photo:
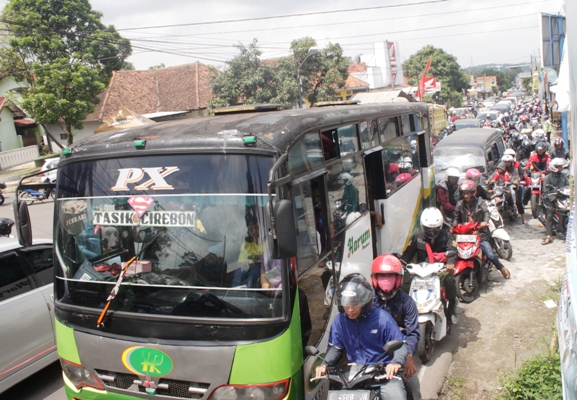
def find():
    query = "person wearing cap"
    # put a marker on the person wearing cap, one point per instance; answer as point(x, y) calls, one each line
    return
point(547, 127)
point(360, 331)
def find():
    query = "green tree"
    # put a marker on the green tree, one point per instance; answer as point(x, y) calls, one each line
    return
point(65, 53)
point(249, 80)
point(444, 67)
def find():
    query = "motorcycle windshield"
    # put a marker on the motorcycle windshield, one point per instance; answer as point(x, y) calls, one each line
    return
point(194, 223)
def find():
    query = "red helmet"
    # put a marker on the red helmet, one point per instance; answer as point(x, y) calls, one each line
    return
point(386, 264)
point(402, 178)
point(468, 186)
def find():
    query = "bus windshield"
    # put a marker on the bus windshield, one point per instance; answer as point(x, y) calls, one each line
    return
point(194, 223)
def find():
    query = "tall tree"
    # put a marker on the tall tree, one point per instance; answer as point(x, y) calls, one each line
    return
point(65, 53)
point(444, 67)
point(249, 80)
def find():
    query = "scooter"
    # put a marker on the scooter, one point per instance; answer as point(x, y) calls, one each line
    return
point(500, 195)
point(432, 304)
point(2, 187)
point(562, 203)
point(357, 381)
point(535, 186)
point(500, 239)
point(472, 267)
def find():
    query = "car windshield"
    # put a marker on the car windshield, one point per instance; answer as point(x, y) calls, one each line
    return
point(194, 223)
point(460, 158)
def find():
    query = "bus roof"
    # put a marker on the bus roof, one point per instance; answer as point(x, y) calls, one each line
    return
point(469, 137)
point(274, 131)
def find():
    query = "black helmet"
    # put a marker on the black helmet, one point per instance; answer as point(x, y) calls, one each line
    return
point(6, 226)
point(541, 146)
point(526, 144)
point(355, 290)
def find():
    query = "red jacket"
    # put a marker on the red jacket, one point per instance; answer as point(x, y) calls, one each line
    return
point(539, 163)
point(500, 178)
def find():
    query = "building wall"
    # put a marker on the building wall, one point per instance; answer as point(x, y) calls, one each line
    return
point(9, 140)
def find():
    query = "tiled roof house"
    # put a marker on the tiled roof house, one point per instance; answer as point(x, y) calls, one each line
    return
point(181, 89)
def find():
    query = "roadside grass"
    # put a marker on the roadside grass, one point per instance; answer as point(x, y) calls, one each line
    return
point(454, 388)
point(539, 377)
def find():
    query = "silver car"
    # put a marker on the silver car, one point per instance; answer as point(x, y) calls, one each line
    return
point(27, 328)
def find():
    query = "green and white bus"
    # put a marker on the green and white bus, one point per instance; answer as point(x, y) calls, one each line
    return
point(239, 223)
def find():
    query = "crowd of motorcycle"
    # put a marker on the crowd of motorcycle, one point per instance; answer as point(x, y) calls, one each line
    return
point(531, 171)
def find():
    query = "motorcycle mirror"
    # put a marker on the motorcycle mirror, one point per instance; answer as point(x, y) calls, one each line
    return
point(450, 253)
point(396, 255)
point(392, 346)
point(311, 351)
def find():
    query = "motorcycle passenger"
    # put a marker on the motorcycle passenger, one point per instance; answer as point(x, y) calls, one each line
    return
point(471, 209)
point(553, 182)
point(559, 150)
point(387, 277)
point(474, 175)
point(539, 159)
point(447, 192)
point(430, 243)
point(361, 330)
point(516, 172)
point(524, 150)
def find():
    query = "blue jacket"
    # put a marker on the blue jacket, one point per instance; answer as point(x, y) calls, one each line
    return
point(363, 339)
point(404, 311)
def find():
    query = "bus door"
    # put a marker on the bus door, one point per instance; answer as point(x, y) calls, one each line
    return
point(376, 195)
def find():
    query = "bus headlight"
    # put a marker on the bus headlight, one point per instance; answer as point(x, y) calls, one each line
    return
point(79, 375)
point(276, 390)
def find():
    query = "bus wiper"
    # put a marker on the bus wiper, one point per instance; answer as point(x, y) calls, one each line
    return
point(121, 276)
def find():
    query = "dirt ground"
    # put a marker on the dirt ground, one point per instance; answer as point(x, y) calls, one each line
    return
point(509, 322)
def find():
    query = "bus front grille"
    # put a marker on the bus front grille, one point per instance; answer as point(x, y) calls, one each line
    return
point(165, 387)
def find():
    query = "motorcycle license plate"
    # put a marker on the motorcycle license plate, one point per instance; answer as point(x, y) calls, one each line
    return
point(466, 238)
point(349, 395)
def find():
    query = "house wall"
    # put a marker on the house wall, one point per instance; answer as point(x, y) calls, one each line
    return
point(79, 135)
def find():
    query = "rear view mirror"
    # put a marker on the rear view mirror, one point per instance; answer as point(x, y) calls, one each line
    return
point(281, 224)
point(311, 351)
point(22, 222)
point(450, 253)
point(392, 346)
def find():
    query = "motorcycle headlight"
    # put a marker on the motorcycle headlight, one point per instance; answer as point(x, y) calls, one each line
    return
point(424, 291)
point(276, 390)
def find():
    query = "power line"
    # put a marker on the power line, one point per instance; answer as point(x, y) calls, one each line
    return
point(283, 16)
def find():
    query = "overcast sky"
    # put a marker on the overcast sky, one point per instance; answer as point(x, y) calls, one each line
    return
point(476, 32)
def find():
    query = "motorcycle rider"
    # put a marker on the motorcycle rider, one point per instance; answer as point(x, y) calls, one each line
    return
point(387, 277)
point(474, 175)
point(559, 150)
point(447, 192)
point(430, 243)
point(6, 225)
point(539, 159)
point(361, 330)
point(517, 173)
point(524, 150)
point(471, 209)
point(553, 182)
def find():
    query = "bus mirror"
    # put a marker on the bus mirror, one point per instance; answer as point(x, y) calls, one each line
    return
point(23, 227)
point(285, 245)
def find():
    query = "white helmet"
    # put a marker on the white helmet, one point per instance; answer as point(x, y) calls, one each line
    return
point(347, 178)
point(506, 114)
point(507, 158)
point(557, 164)
point(431, 222)
point(452, 172)
point(408, 160)
point(510, 152)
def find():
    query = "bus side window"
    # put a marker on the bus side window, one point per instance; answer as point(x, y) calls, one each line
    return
point(348, 140)
point(311, 223)
point(306, 155)
point(347, 193)
point(330, 144)
point(388, 129)
point(398, 161)
point(406, 127)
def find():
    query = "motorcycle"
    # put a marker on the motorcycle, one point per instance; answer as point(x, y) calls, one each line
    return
point(534, 184)
point(340, 215)
point(47, 192)
point(500, 239)
point(472, 267)
point(562, 204)
point(30, 196)
point(500, 196)
point(357, 381)
point(2, 187)
point(432, 304)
